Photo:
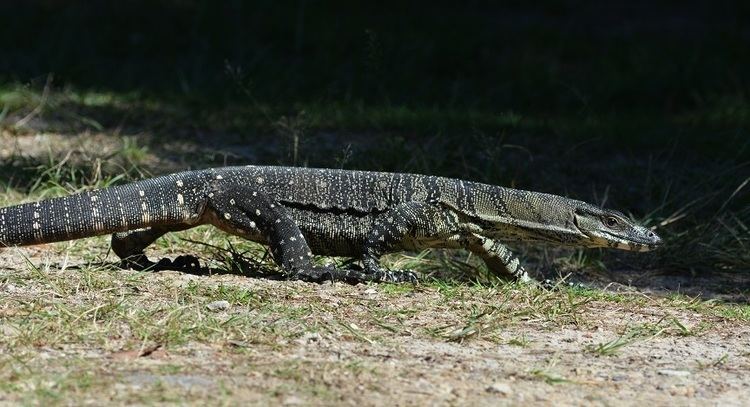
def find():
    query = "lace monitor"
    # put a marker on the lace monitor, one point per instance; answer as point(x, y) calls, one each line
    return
point(300, 212)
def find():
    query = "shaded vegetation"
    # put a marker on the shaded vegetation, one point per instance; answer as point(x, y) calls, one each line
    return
point(566, 56)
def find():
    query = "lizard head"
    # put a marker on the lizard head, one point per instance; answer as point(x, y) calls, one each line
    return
point(608, 228)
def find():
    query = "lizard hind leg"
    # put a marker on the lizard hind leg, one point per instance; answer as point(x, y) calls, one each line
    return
point(247, 211)
point(129, 247)
point(409, 226)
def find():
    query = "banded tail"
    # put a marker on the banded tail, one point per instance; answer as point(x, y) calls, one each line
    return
point(151, 202)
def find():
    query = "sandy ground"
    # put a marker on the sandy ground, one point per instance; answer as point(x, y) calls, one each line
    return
point(369, 345)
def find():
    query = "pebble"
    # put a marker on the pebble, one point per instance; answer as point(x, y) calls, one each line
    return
point(500, 388)
point(293, 401)
point(675, 373)
point(308, 337)
point(218, 305)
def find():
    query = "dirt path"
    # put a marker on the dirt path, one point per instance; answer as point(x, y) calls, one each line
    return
point(99, 335)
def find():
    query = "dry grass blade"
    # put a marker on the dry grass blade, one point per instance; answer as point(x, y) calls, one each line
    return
point(734, 193)
point(38, 109)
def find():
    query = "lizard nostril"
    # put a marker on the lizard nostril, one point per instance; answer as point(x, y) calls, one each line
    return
point(655, 239)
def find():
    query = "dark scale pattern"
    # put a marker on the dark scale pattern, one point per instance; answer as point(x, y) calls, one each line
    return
point(300, 212)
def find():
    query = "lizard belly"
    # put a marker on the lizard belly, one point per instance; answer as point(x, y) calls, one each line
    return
point(254, 235)
point(327, 234)
point(333, 234)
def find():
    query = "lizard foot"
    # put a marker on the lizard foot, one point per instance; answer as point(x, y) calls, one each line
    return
point(140, 262)
point(353, 276)
point(395, 276)
point(328, 273)
point(182, 263)
point(137, 262)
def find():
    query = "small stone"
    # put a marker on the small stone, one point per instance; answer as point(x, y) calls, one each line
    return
point(238, 344)
point(218, 306)
point(293, 401)
point(371, 291)
point(675, 373)
point(500, 388)
point(308, 337)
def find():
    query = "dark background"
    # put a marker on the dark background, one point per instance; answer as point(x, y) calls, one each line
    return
point(561, 56)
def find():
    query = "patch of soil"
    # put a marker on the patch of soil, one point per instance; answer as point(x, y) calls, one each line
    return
point(531, 359)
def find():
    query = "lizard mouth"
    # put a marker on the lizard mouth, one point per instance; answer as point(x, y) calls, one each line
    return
point(581, 231)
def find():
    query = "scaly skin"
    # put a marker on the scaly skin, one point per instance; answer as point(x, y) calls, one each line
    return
point(300, 212)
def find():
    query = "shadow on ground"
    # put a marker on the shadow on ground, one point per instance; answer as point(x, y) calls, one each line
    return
point(725, 286)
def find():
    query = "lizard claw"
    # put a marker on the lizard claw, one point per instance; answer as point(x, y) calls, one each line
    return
point(353, 276)
point(313, 274)
point(142, 263)
point(397, 276)
point(137, 262)
point(185, 263)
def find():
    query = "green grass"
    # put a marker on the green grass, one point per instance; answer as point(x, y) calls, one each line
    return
point(666, 326)
point(737, 312)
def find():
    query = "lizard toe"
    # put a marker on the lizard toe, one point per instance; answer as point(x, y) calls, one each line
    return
point(186, 263)
point(137, 262)
point(397, 276)
point(321, 274)
point(311, 275)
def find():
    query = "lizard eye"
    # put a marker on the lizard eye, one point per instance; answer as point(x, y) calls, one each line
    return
point(611, 221)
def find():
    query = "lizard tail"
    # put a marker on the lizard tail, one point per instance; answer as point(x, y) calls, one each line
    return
point(138, 205)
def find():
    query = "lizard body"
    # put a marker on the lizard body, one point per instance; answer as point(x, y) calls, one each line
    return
point(300, 212)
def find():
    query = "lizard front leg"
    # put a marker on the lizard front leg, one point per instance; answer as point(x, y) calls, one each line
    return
point(252, 212)
point(411, 225)
point(499, 259)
